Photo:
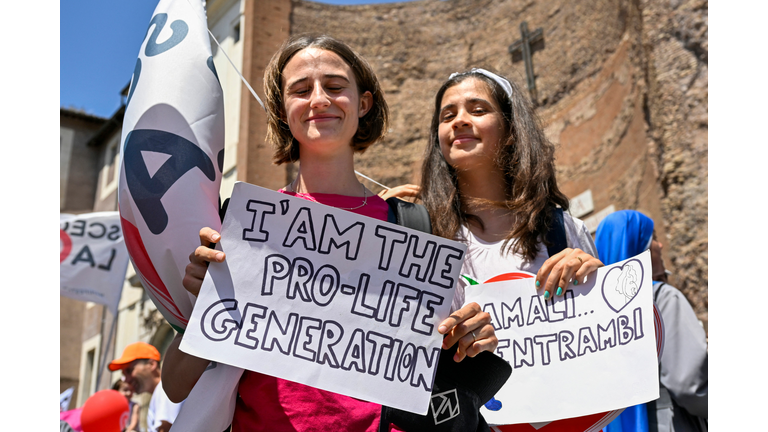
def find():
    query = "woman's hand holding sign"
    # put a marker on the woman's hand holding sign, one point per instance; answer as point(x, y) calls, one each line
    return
point(199, 260)
point(471, 328)
point(569, 265)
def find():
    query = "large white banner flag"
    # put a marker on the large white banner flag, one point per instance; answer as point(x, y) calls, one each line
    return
point(172, 157)
point(589, 352)
point(326, 298)
point(172, 153)
point(93, 258)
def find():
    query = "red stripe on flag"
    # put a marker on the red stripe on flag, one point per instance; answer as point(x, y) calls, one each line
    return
point(144, 265)
point(161, 301)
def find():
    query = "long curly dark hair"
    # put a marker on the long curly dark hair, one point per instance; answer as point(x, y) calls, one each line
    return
point(527, 160)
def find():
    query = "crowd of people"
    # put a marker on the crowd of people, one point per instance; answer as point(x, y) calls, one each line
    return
point(488, 180)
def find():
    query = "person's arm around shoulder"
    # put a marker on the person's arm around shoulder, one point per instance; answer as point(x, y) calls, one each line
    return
point(181, 371)
point(684, 362)
point(405, 191)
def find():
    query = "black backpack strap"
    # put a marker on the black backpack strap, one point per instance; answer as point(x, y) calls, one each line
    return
point(409, 215)
point(392, 213)
point(657, 291)
point(223, 208)
point(556, 234)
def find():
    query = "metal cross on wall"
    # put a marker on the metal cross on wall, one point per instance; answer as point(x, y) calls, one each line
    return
point(523, 45)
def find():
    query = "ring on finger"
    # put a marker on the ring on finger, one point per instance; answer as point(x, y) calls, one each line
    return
point(474, 337)
point(580, 260)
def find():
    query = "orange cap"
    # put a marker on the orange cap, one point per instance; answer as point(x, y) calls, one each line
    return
point(135, 351)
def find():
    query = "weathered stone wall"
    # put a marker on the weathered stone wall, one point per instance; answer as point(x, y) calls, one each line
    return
point(675, 41)
point(415, 46)
point(621, 87)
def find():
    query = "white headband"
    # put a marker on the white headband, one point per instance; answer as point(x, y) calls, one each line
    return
point(499, 80)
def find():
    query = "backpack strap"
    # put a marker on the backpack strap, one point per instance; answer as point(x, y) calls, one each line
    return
point(556, 234)
point(392, 213)
point(223, 208)
point(409, 215)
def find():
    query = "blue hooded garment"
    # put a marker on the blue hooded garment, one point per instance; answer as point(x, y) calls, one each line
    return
point(621, 235)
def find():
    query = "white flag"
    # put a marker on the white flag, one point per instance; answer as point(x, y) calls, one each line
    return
point(172, 153)
point(170, 174)
point(93, 258)
point(64, 398)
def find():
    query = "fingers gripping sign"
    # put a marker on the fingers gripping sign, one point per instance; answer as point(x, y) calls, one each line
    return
point(195, 271)
point(567, 266)
point(471, 328)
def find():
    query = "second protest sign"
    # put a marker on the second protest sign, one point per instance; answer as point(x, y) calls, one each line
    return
point(326, 298)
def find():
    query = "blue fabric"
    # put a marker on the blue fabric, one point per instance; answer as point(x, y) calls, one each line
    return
point(621, 235)
point(632, 419)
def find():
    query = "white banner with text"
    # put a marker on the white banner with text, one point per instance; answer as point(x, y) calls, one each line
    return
point(326, 298)
point(591, 350)
point(93, 257)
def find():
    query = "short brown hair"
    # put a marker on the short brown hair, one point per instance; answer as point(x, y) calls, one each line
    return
point(372, 125)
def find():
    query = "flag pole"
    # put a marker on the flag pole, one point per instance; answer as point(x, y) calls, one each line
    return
point(106, 351)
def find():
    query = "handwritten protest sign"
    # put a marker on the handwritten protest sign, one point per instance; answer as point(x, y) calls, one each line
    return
point(326, 298)
point(590, 351)
point(93, 257)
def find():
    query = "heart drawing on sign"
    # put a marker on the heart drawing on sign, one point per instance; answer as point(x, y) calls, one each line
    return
point(621, 284)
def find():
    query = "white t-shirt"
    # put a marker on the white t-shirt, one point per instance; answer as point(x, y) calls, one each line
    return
point(484, 260)
point(161, 409)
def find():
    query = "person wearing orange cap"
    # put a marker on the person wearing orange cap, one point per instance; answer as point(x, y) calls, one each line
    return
point(140, 364)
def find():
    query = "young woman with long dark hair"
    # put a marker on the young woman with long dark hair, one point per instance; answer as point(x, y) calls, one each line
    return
point(488, 179)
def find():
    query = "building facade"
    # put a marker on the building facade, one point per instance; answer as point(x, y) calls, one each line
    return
point(77, 185)
point(90, 336)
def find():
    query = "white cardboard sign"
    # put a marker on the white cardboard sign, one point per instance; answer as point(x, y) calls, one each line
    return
point(590, 351)
point(93, 258)
point(326, 298)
